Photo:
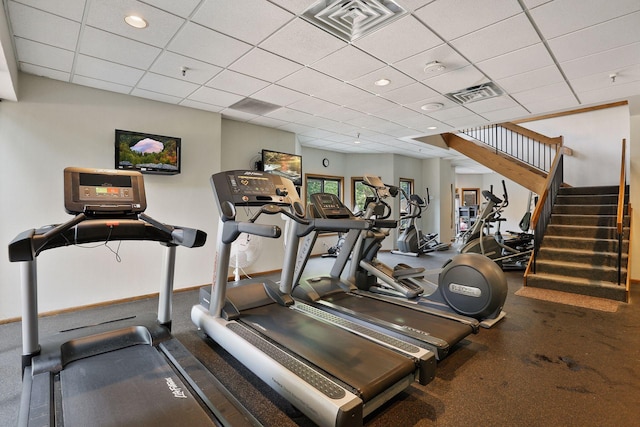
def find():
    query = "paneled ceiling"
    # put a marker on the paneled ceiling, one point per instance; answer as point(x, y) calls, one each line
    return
point(541, 57)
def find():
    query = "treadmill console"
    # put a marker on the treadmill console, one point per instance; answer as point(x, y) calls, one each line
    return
point(254, 188)
point(329, 206)
point(99, 192)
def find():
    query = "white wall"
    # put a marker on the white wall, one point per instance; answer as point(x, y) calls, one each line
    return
point(55, 125)
point(634, 195)
point(595, 138)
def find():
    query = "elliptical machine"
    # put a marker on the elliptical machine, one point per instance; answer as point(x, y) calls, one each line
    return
point(510, 253)
point(412, 241)
point(469, 285)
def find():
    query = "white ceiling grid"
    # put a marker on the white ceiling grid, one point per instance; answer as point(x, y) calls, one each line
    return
point(545, 55)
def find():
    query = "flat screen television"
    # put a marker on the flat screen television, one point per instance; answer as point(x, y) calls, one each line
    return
point(283, 164)
point(147, 153)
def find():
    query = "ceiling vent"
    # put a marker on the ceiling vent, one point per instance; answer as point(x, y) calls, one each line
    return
point(475, 93)
point(254, 106)
point(352, 19)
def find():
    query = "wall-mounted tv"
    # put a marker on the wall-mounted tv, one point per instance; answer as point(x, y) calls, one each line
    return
point(283, 164)
point(147, 153)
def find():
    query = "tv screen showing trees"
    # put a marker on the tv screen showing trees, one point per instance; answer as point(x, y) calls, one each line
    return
point(147, 153)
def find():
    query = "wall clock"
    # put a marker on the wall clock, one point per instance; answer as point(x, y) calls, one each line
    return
point(325, 162)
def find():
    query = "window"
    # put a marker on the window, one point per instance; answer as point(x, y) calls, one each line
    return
point(323, 184)
point(406, 184)
point(359, 193)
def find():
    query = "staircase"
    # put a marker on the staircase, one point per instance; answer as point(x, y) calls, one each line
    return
point(579, 251)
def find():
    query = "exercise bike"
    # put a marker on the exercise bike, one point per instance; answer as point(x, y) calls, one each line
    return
point(412, 241)
point(513, 253)
point(469, 285)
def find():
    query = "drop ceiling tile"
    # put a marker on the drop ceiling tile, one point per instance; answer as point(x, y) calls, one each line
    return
point(454, 19)
point(169, 64)
point(468, 121)
point(167, 85)
point(532, 79)
point(101, 84)
point(99, 69)
point(456, 80)
point(319, 122)
point(313, 105)
point(344, 94)
point(410, 94)
point(214, 96)
point(168, 99)
point(614, 92)
point(340, 114)
point(103, 45)
point(396, 78)
point(201, 105)
point(551, 105)
point(516, 62)
point(492, 104)
point(598, 38)
point(492, 41)
point(414, 66)
point(52, 30)
point(541, 93)
point(108, 15)
point(264, 65)
point(603, 62)
point(530, 4)
point(294, 128)
point(346, 129)
point(288, 115)
point(446, 103)
point(347, 64)
point(278, 95)
point(72, 9)
point(603, 81)
point(310, 81)
point(302, 42)
point(182, 8)
point(399, 40)
point(44, 55)
point(248, 20)
point(267, 121)
point(372, 104)
point(507, 114)
point(240, 116)
point(316, 133)
point(557, 18)
point(207, 45)
point(233, 82)
point(338, 137)
point(45, 72)
point(294, 6)
point(449, 113)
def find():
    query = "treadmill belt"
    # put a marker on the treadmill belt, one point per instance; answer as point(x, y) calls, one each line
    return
point(365, 366)
point(134, 386)
point(448, 330)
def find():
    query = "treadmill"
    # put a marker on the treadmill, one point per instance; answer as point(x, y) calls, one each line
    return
point(415, 324)
point(123, 372)
point(334, 375)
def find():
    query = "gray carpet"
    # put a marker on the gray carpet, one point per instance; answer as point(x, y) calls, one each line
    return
point(545, 364)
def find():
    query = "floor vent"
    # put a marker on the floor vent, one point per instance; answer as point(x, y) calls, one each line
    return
point(254, 106)
point(352, 19)
point(475, 93)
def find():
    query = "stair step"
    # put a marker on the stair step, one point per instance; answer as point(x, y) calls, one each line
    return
point(604, 189)
point(593, 232)
point(578, 209)
point(607, 259)
point(587, 199)
point(588, 220)
point(581, 286)
point(598, 273)
point(581, 243)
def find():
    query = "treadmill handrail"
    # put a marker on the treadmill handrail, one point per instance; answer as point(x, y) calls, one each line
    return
point(81, 230)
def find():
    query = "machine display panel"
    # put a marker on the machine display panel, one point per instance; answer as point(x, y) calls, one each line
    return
point(252, 185)
point(103, 188)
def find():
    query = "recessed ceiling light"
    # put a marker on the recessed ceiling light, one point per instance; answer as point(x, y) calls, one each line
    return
point(434, 67)
point(432, 128)
point(382, 82)
point(432, 106)
point(135, 21)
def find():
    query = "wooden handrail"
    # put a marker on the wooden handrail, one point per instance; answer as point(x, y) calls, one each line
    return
point(621, 191)
point(543, 197)
point(532, 134)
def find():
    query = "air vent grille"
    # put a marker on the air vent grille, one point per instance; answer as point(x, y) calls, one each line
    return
point(352, 19)
point(254, 106)
point(475, 93)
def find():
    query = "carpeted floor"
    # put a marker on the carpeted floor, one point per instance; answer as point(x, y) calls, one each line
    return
point(545, 364)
